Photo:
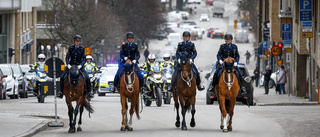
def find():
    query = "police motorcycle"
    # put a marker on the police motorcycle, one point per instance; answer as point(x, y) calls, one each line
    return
point(154, 84)
point(167, 88)
point(94, 77)
point(41, 76)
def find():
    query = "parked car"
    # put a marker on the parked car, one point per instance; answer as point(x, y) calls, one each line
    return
point(273, 79)
point(209, 2)
point(194, 1)
point(2, 85)
point(11, 83)
point(106, 80)
point(22, 80)
point(241, 36)
point(217, 34)
point(212, 96)
point(204, 17)
point(186, 22)
point(30, 78)
point(210, 30)
point(160, 35)
point(218, 9)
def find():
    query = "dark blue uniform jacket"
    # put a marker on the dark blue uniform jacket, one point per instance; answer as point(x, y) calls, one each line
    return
point(188, 47)
point(130, 50)
point(76, 56)
point(224, 52)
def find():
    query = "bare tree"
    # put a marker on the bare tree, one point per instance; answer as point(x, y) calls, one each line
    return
point(251, 7)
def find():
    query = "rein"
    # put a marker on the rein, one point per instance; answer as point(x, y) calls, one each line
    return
point(72, 91)
point(188, 80)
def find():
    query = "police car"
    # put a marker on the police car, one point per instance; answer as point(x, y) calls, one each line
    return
point(211, 96)
point(106, 79)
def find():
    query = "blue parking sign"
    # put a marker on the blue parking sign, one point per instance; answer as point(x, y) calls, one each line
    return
point(286, 27)
point(286, 35)
point(305, 4)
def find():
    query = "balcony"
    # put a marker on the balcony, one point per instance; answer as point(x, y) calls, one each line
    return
point(10, 5)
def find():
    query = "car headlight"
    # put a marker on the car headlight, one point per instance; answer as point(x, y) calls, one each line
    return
point(168, 75)
point(42, 74)
point(157, 76)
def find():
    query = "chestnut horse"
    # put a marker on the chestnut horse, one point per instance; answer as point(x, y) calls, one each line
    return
point(73, 91)
point(129, 88)
point(186, 92)
point(227, 91)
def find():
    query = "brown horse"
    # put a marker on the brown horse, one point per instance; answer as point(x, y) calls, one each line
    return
point(129, 88)
point(73, 91)
point(186, 92)
point(227, 91)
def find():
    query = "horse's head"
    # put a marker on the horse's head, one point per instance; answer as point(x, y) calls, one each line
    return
point(128, 67)
point(228, 64)
point(74, 74)
point(185, 64)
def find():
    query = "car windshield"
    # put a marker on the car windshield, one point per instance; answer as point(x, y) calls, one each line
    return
point(6, 70)
point(204, 15)
point(16, 69)
point(110, 71)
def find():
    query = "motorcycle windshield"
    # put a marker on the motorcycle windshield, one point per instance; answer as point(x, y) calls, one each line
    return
point(156, 68)
point(169, 70)
point(41, 68)
point(89, 68)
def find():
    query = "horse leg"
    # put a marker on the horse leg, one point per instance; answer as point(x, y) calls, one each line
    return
point(223, 125)
point(193, 111)
point(76, 111)
point(231, 108)
point(123, 112)
point(183, 112)
point(133, 104)
point(176, 104)
point(70, 113)
point(80, 119)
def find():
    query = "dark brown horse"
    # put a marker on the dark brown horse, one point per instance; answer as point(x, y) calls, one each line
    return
point(227, 91)
point(129, 88)
point(186, 92)
point(73, 91)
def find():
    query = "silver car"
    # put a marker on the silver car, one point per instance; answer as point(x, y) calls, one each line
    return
point(22, 80)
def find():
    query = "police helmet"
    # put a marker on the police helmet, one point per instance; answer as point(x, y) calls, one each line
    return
point(186, 34)
point(89, 57)
point(166, 56)
point(130, 35)
point(152, 56)
point(41, 56)
point(77, 37)
point(228, 36)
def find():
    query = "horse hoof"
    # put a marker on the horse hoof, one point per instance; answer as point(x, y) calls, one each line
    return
point(129, 128)
point(192, 124)
point(71, 130)
point(229, 129)
point(123, 129)
point(221, 127)
point(177, 124)
point(79, 129)
point(184, 127)
point(225, 130)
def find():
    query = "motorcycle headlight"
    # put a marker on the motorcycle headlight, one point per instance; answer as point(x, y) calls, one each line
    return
point(168, 75)
point(42, 74)
point(90, 75)
point(157, 76)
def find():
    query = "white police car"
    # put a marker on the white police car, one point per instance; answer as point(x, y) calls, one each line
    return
point(106, 79)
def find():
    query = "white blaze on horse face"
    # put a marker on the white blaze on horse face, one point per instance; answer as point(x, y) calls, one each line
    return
point(129, 81)
point(229, 82)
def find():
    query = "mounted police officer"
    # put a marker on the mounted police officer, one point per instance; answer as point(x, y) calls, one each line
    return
point(75, 56)
point(36, 66)
point(187, 47)
point(226, 50)
point(129, 50)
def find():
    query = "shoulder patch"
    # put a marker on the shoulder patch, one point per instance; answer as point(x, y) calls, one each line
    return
point(123, 43)
point(180, 43)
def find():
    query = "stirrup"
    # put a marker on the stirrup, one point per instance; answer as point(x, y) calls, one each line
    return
point(59, 95)
point(200, 87)
point(243, 91)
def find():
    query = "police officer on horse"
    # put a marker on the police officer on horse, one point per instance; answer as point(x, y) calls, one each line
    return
point(186, 47)
point(75, 56)
point(228, 50)
point(129, 50)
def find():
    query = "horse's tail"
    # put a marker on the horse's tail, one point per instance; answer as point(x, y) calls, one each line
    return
point(88, 107)
point(137, 109)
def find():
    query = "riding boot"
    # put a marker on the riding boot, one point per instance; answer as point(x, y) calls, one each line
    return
point(60, 92)
point(242, 88)
point(89, 91)
point(200, 87)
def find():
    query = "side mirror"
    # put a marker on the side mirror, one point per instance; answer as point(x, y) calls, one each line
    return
point(207, 76)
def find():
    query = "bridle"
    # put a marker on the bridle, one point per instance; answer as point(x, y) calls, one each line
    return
point(188, 80)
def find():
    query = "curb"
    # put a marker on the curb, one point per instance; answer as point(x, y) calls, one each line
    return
point(38, 128)
point(288, 104)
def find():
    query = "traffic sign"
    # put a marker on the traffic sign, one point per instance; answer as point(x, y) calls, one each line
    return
point(286, 35)
point(288, 50)
point(305, 4)
point(279, 62)
point(59, 67)
point(306, 29)
point(306, 15)
point(306, 23)
point(275, 50)
point(307, 34)
point(235, 21)
point(285, 42)
point(87, 50)
point(286, 27)
point(267, 53)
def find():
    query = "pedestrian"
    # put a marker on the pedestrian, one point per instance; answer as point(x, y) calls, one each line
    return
point(282, 79)
point(256, 74)
point(191, 10)
point(195, 10)
point(146, 54)
point(248, 55)
point(146, 41)
point(267, 75)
